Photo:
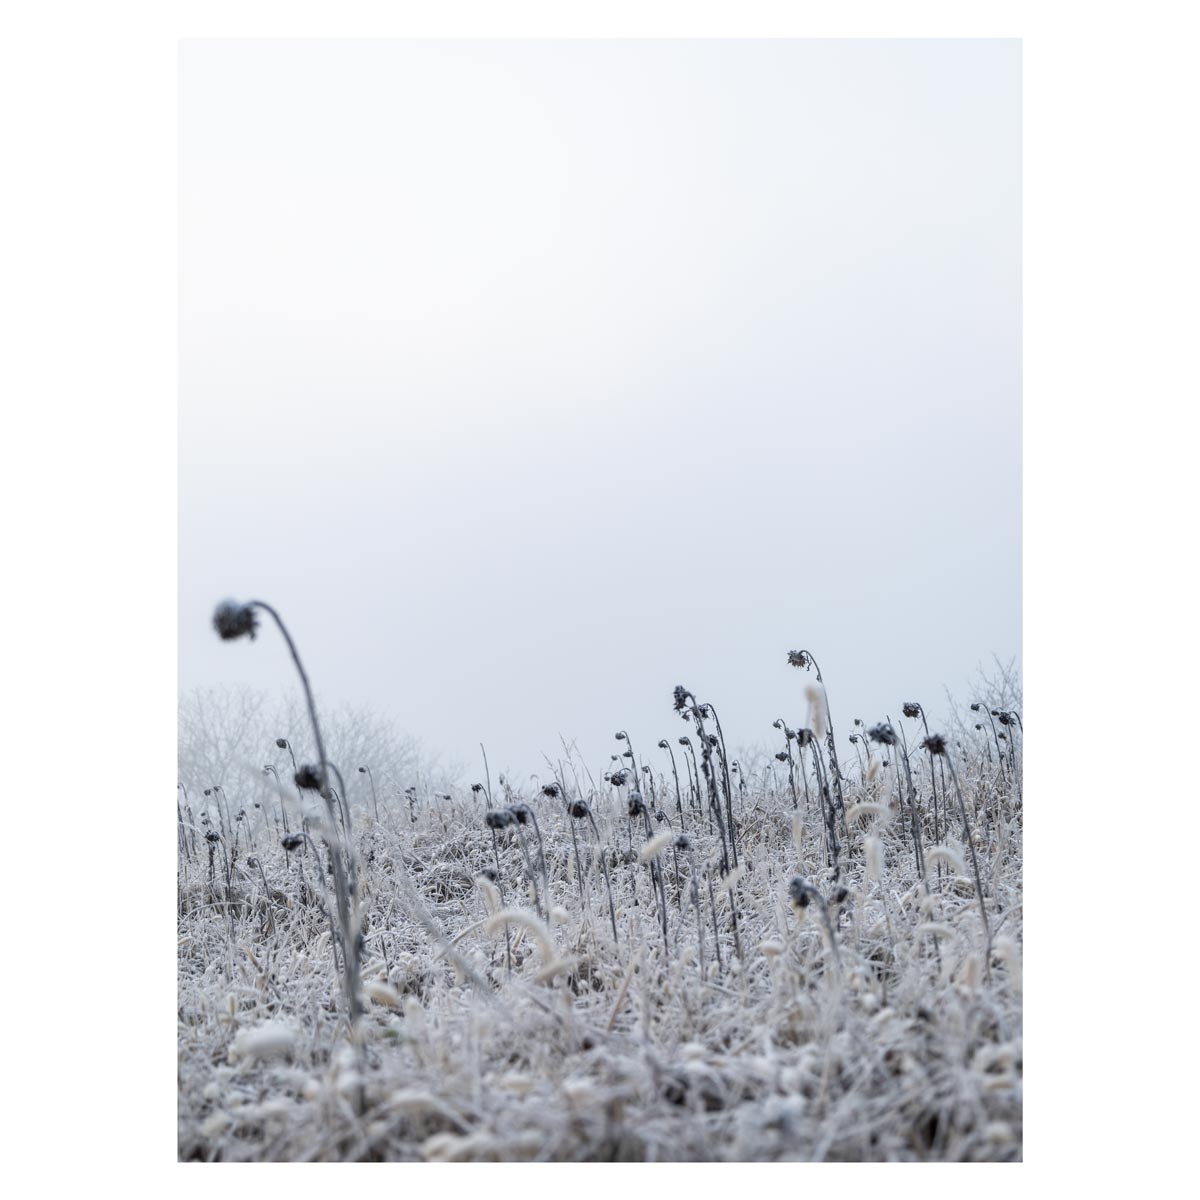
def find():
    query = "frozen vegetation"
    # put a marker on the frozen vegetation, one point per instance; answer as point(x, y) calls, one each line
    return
point(687, 957)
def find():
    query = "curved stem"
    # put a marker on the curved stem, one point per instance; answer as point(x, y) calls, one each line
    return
point(678, 794)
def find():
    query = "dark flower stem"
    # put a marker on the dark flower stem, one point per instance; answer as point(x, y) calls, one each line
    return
point(674, 771)
point(600, 849)
point(374, 796)
point(901, 752)
point(962, 808)
point(728, 785)
point(698, 800)
point(500, 889)
point(341, 884)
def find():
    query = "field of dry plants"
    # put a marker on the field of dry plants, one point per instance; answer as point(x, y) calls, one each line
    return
point(684, 957)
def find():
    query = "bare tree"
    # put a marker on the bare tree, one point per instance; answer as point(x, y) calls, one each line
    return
point(228, 735)
point(996, 688)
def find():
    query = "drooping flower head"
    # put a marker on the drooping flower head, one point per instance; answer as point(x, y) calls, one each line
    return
point(232, 620)
point(308, 778)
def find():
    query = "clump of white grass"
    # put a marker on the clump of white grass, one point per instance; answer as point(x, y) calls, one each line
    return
point(655, 846)
point(814, 693)
point(271, 1039)
point(873, 857)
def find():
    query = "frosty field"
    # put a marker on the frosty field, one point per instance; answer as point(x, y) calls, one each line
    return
point(689, 958)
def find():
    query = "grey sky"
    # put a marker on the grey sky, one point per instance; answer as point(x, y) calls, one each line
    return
point(529, 379)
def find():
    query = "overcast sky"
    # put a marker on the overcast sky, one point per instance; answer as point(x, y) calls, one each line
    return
point(529, 379)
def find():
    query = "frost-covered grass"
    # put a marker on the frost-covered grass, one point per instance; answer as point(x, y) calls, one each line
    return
point(901, 1042)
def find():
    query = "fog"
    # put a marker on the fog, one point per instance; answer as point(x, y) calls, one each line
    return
point(530, 379)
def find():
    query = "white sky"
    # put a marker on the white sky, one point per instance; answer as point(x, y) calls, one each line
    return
point(530, 379)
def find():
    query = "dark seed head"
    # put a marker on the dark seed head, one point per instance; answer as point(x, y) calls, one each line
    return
point(636, 807)
point(780, 756)
point(490, 873)
point(682, 696)
point(281, 743)
point(663, 745)
point(233, 621)
point(498, 818)
point(798, 658)
point(578, 809)
point(935, 744)
point(521, 813)
point(841, 895)
point(911, 709)
point(799, 891)
point(308, 778)
point(551, 790)
point(477, 788)
point(212, 836)
point(882, 733)
point(682, 842)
